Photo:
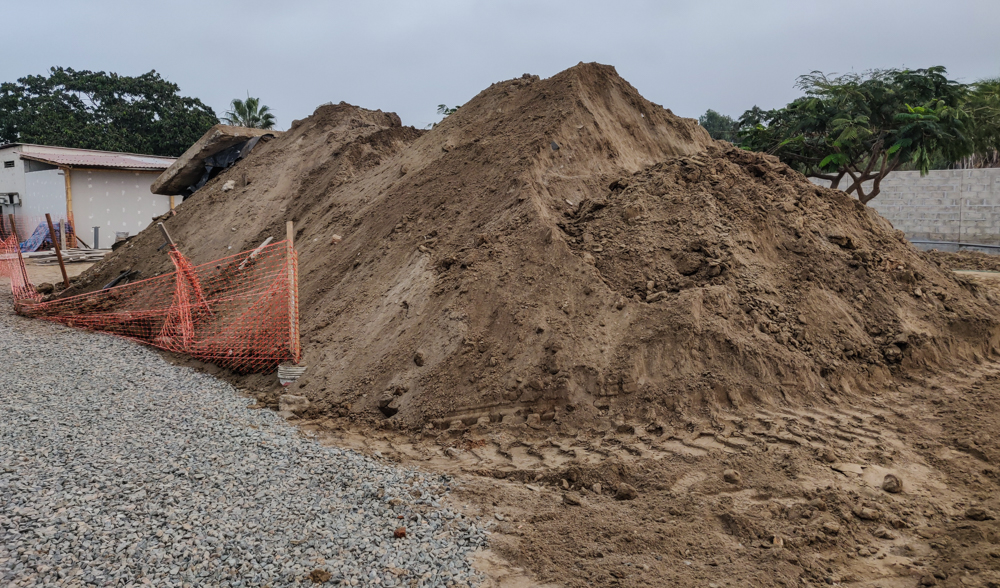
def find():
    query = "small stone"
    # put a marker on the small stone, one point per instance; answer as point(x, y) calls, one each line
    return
point(572, 499)
point(565, 484)
point(892, 484)
point(928, 580)
point(419, 358)
point(977, 513)
point(293, 404)
point(596, 488)
point(399, 533)
point(830, 528)
point(535, 421)
point(626, 492)
point(828, 455)
point(732, 477)
point(864, 513)
point(883, 533)
point(44, 288)
point(229, 185)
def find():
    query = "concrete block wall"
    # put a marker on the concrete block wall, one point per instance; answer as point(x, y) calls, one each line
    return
point(961, 205)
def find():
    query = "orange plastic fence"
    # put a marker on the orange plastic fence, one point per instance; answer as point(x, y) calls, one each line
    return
point(239, 312)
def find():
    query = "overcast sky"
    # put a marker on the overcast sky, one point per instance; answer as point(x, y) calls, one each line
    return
point(409, 56)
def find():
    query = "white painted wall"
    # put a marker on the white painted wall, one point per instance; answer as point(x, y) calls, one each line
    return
point(11, 179)
point(116, 201)
point(46, 193)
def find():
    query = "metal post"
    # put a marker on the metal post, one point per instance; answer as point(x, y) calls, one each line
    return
point(97, 231)
point(55, 244)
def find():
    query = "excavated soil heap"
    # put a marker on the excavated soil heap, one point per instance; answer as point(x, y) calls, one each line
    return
point(563, 251)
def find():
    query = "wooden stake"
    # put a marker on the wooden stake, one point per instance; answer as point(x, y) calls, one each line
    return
point(166, 235)
point(62, 234)
point(69, 202)
point(293, 294)
point(17, 243)
point(55, 244)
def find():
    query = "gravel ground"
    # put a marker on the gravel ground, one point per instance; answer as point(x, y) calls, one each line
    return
point(119, 469)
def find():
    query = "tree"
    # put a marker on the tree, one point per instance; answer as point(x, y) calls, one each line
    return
point(864, 126)
point(443, 109)
point(720, 126)
point(98, 110)
point(983, 106)
point(249, 113)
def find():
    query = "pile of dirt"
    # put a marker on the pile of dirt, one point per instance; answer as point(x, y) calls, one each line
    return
point(563, 250)
point(566, 286)
point(965, 260)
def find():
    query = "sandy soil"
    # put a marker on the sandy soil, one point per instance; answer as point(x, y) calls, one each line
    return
point(654, 359)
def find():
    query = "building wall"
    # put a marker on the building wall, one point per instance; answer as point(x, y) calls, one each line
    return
point(45, 192)
point(945, 205)
point(11, 178)
point(116, 201)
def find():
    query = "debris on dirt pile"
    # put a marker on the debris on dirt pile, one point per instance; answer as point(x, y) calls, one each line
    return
point(638, 269)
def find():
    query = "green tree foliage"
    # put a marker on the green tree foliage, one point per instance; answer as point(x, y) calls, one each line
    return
point(983, 106)
point(443, 109)
point(97, 110)
point(720, 126)
point(857, 128)
point(249, 113)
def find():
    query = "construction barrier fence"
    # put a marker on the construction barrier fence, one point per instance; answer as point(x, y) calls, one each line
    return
point(239, 312)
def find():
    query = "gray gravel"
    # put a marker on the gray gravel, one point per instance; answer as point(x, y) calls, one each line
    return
point(118, 469)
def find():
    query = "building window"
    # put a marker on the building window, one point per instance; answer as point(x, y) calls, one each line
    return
point(9, 163)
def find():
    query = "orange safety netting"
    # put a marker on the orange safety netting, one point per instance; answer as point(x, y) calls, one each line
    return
point(239, 312)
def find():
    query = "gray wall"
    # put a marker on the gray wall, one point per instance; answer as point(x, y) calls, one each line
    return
point(945, 205)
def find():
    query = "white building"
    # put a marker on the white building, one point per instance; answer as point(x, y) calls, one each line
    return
point(87, 188)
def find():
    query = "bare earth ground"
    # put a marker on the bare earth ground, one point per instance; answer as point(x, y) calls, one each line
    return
point(805, 506)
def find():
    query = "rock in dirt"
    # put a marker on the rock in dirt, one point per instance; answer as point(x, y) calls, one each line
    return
point(597, 488)
point(572, 499)
point(830, 528)
point(978, 513)
point(419, 358)
point(320, 576)
point(892, 484)
point(626, 492)
point(293, 404)
point(44, 288)
point(928, 580)
point(229, 185)
point(399, 533)
point(732, 477)
point(883, 533)
point(866, 514)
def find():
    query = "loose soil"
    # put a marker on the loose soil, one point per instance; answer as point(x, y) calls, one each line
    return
point(564, 285)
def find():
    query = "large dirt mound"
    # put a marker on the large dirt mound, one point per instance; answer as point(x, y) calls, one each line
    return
point(563, 251)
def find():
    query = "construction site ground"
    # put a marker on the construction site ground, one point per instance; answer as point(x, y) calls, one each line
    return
point(649, 357)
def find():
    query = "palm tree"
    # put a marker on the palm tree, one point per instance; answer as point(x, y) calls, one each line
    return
point(249, 113)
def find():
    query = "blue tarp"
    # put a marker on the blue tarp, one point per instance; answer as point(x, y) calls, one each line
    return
point(40, 237)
